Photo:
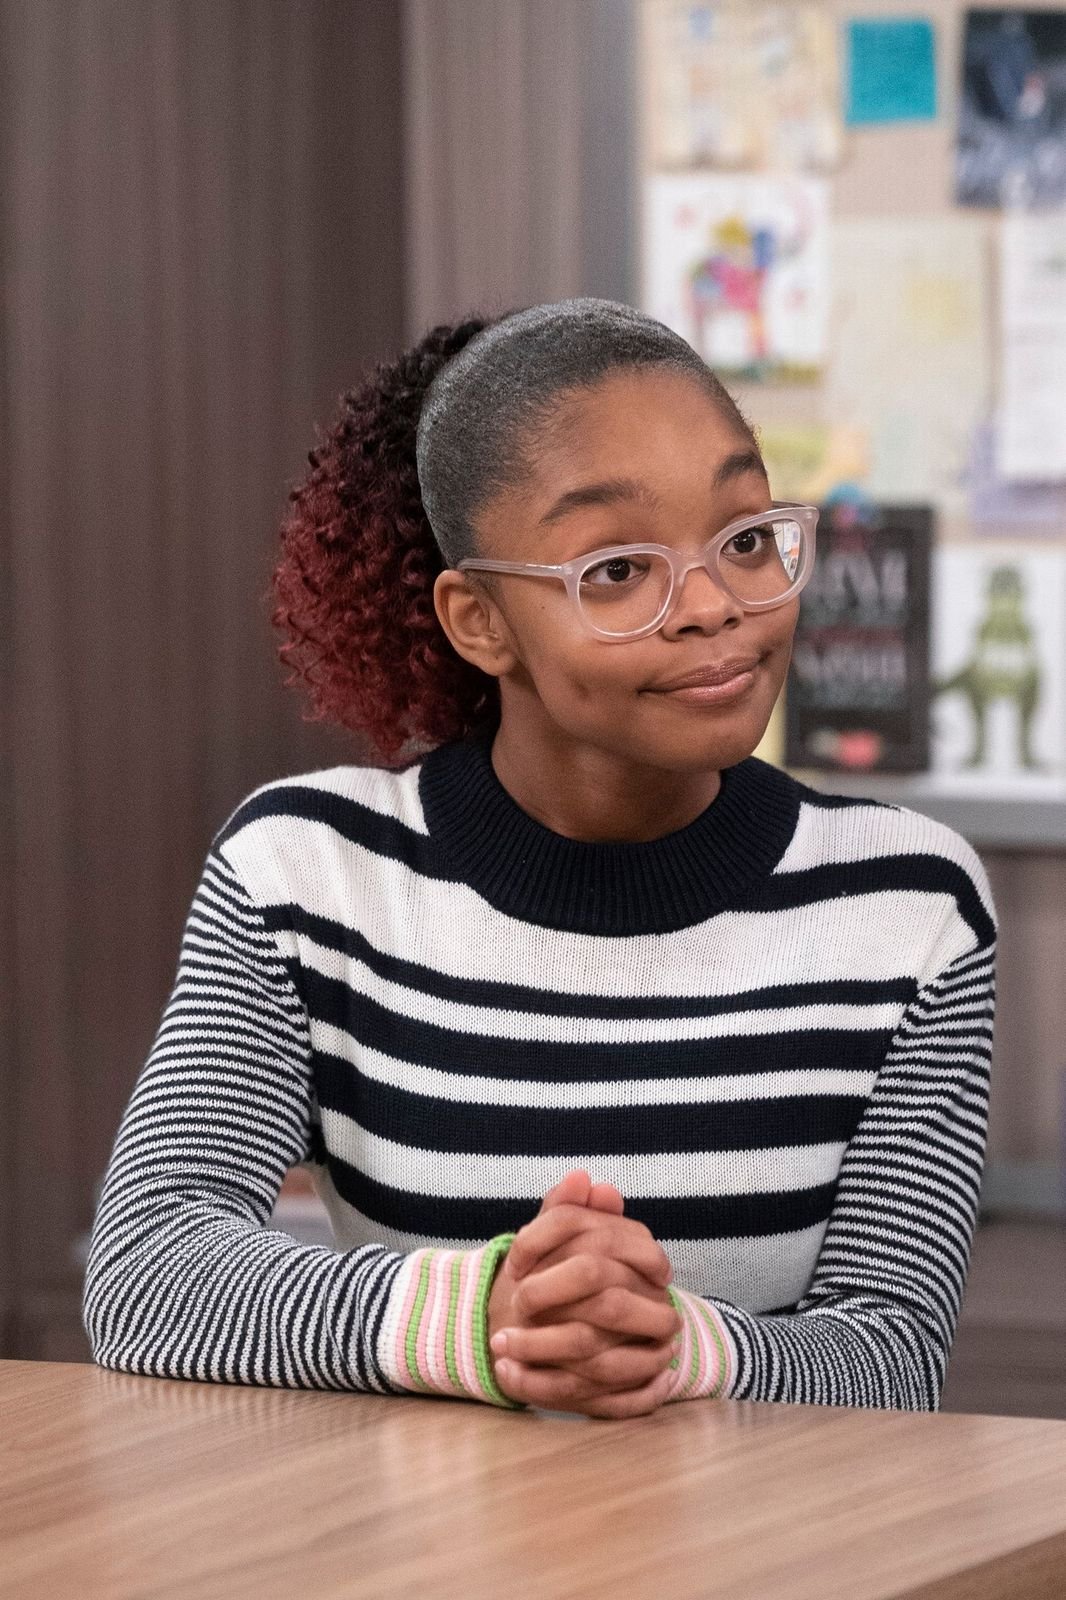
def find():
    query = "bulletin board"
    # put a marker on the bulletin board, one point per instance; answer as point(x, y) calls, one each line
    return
point(904, 393)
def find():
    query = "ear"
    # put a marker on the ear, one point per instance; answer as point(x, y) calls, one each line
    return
point(474, 623)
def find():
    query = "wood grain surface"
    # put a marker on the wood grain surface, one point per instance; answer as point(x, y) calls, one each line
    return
point(113, 1487)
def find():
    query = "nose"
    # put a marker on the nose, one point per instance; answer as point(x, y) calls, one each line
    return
point(700, 602)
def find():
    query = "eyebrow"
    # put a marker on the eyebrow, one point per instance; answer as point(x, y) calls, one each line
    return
point(612, 490)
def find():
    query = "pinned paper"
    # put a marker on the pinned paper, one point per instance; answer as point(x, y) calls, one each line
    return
point(912, 347)
point(743, 83)
point(1012, 119)
point(738, 265)
point(891, 70)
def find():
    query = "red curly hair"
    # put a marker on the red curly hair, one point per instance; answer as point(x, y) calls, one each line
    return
point(353, 588)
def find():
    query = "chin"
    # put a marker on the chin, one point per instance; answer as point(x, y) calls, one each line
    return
point(707, 750)
point(706, 740)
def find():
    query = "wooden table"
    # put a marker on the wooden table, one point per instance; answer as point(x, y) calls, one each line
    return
point(113, 1486)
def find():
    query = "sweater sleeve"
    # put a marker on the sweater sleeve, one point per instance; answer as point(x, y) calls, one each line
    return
point(183, 1279)
point(876, 1325)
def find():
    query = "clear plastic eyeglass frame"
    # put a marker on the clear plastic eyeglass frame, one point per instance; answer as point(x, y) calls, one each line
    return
point(571, 572)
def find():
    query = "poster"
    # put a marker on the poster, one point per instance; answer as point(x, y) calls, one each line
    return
point(1031, 443)
point(857, 696)
point(891, 70)
point(742, 83)
point(1011, 143)
point(739, 267)
point(999, 670)
point(911, 350)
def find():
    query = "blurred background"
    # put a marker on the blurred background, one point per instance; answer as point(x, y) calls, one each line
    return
point(216, 214)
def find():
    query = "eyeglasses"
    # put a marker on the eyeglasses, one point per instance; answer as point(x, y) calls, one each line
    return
point(626, 590)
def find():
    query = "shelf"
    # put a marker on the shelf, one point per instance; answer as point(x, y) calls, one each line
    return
point(989, 822)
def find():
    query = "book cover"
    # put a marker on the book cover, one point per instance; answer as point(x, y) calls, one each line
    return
point(858, 687)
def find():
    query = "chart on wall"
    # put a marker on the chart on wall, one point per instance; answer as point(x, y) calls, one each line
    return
point(911, 357)
point(738, 265)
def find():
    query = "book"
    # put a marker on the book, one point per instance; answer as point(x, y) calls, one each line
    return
point(857, 696)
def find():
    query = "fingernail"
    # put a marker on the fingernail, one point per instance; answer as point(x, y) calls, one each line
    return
point(503, 1369)
point(499, 1341)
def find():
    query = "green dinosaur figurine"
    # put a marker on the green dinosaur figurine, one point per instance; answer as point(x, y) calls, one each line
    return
point(1004, 665)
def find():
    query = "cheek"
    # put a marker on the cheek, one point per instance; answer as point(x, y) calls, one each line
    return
point(563, 661)
point(777, 630)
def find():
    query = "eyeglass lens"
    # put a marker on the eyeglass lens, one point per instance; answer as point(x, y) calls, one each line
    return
point(625, 593)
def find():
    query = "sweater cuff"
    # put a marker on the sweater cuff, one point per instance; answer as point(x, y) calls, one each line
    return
point(706, 1363)
point(434, 1337)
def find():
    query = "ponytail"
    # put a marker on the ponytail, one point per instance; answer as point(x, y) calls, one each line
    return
point(353, 587)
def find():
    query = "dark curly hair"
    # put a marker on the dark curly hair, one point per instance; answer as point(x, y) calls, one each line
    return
point(418, 448)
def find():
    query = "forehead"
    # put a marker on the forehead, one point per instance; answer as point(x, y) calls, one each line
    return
point(640, 420)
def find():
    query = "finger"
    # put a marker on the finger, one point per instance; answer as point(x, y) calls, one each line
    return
point(588, 1290)
point(618, 1310)
point(635, 1402)
point(541, 1295)
point(585, 1244)
point(605, 1197)
point(628, 1366)
point(623, 1238)
point(556, 1343)
point(565, 1391)
point(572, 1189)
point(615, 1363)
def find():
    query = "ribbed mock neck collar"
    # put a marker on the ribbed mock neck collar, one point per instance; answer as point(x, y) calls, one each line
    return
point(619, 887)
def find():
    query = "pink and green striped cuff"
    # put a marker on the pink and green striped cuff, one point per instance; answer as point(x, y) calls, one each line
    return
point(434, 1338)
point(706, 1361)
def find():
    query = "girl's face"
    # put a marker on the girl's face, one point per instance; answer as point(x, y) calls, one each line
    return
point(697, 471)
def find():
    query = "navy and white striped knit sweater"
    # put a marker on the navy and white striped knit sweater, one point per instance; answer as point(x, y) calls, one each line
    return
point(771, 1029)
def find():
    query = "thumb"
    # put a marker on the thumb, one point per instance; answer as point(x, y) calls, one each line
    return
point(572, 1190)
point(606, 1197)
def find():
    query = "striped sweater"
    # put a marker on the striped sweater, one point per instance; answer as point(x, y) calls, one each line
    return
point(771, 1029)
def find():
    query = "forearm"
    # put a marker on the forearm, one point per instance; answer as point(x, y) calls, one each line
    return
point(202, 1295)
point(207, 1296)
point(876, 1325)
point(872, 1356)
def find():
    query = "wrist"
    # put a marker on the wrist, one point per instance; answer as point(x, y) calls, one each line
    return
point(434, 1335)
point(705, 1365)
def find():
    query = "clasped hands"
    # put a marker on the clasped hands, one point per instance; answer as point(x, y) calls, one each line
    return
point(579, 1318)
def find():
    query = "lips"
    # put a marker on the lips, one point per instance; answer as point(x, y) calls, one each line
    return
point(712, 673)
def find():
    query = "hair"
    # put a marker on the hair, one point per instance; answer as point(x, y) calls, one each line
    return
point(419, 447)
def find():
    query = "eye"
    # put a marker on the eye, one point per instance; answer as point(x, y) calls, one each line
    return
point(752, 542)
point(615, 571)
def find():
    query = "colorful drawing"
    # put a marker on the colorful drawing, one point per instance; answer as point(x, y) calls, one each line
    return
point(731, 281)
point(737, 265)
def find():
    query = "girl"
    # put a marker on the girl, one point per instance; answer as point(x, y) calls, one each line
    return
point(583, 932)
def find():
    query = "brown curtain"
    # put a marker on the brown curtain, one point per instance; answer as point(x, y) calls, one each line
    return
point(202, 245)
point(519, 128)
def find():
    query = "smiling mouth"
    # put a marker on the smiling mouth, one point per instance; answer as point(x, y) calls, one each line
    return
point(714, 684)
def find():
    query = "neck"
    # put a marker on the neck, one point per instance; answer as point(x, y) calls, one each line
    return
point(589, 794)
